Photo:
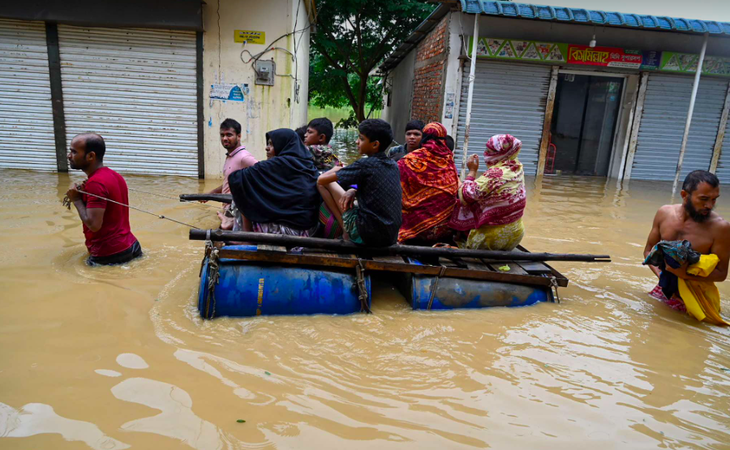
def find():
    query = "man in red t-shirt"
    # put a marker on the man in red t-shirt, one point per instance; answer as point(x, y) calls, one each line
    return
point(106, 224)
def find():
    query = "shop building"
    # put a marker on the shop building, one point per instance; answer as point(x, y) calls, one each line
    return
point(589, 93)
point(154, 78)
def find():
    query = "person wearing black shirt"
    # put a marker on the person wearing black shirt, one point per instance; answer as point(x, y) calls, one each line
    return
point(376, 218)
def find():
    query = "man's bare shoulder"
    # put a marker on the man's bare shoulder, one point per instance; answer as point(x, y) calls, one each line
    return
point(666, 211)
point(720, 227)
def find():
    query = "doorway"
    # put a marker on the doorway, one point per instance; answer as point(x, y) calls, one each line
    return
point(584, 124)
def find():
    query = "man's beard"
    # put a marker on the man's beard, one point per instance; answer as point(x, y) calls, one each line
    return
point(694, 214)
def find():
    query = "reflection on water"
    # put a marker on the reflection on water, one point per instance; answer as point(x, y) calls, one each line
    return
point(116, 357)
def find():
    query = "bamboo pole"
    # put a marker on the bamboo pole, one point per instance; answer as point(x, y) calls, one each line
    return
point(223, 198)
point(692, 99)
point(403, 250)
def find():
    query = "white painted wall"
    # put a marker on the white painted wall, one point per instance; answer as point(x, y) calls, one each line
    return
point(266, 107)
point(452, 80)
point(399, 112)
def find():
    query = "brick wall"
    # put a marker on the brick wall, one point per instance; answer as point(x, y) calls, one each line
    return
point(430, 72)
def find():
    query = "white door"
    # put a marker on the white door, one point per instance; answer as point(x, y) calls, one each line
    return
point(26, 120)
point(137, 88)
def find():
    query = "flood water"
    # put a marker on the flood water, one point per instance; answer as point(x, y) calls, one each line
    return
point(117, 357)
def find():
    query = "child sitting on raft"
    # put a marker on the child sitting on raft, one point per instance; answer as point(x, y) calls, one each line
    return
point(376, 219)
point(317, 139)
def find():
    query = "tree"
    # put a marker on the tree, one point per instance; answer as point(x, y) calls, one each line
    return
point(351, 39)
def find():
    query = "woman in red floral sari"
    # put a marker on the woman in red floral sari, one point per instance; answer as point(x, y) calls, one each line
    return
point(429, 181)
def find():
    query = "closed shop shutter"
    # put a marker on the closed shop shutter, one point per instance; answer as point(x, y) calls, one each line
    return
point(137, 88)
point(26, 119)
point(508, 99)
point(662, 126)
point(723, 166)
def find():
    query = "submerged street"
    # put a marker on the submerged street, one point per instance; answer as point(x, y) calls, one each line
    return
point(111, 358)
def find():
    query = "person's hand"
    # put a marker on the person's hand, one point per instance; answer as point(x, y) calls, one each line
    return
point(680, 272)
point(347, 200)
point(73, 194)
point(473, 163)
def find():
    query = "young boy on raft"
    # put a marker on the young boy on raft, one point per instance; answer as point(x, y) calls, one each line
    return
point(317, 139)
point(376, 219)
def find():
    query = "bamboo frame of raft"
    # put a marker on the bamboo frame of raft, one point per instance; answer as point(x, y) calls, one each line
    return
point(524, 268)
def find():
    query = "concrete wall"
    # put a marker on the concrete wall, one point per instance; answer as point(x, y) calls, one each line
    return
point(400, 83)
point(265, 107)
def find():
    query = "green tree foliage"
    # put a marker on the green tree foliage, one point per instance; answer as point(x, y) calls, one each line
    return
point(352, 38)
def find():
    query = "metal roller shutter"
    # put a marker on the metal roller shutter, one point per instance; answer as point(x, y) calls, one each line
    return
point(723, 166)
point(137, 88)
point(508, 99)
point(25, 97)
point(662, 126)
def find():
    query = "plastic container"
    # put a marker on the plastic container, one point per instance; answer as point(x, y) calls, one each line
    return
point(248, 289)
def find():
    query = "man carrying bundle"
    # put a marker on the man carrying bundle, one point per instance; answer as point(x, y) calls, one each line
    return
point(106, 224)
point(683, 286)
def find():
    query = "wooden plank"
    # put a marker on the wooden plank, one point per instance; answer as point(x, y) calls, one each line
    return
point(534, 267)
point(271, 248)
point(338, 261)
point(547, 121)
point(389, 259)
point(638, 112)
point(717, 151)
point(475, 264)
point(514, 268)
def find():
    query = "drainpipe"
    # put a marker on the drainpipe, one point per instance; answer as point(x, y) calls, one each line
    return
point(695, 86)
point(470, 97)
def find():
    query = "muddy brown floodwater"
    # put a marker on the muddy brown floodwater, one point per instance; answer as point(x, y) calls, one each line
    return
point(113, 358)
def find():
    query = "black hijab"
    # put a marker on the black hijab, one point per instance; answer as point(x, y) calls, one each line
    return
point(282, 189)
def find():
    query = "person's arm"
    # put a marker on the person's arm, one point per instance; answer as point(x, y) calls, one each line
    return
point(329, 177)
point(721, 248)
point(217, 190)
point(93, 218)
point(654, 238)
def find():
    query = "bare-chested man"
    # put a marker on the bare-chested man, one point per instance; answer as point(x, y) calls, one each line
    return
point(694, 221)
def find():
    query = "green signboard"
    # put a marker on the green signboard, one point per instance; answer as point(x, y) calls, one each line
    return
point(687, 63)
point(570, 54)
point(528, 51)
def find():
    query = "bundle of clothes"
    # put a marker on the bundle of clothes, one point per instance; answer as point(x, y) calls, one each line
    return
point(700, 299)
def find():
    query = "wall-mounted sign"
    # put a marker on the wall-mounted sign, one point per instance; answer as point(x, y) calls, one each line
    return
point(529, 51)
point(604, 56)
point(687, 63)
point(254, 37)
point(229, 91)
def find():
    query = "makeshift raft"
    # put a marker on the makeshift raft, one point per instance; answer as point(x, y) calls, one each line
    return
point(292, 275)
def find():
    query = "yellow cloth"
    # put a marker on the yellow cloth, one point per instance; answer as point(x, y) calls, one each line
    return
point(495, 237)
point(702, 298)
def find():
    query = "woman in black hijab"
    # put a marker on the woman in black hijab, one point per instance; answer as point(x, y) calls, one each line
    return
point(279, 195)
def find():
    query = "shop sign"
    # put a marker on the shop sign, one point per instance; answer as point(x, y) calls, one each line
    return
point(604, 57)
point(229, 92)
point(528, 51)
point(557, 53)
point(687, 63)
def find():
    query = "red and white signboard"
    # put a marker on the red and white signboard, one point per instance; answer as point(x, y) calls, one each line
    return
point(604, 56)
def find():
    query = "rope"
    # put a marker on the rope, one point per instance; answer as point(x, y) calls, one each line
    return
point(363, 297)
point(174, 198)
point(159, 216)
point(435, 286)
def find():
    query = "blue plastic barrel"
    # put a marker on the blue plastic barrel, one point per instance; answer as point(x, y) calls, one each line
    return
point(454, 293)
point(248, 288)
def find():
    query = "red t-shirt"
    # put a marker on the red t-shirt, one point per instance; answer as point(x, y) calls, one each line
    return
point(115, 235)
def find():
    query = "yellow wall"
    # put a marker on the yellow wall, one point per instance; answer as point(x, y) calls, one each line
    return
point(265, 107)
